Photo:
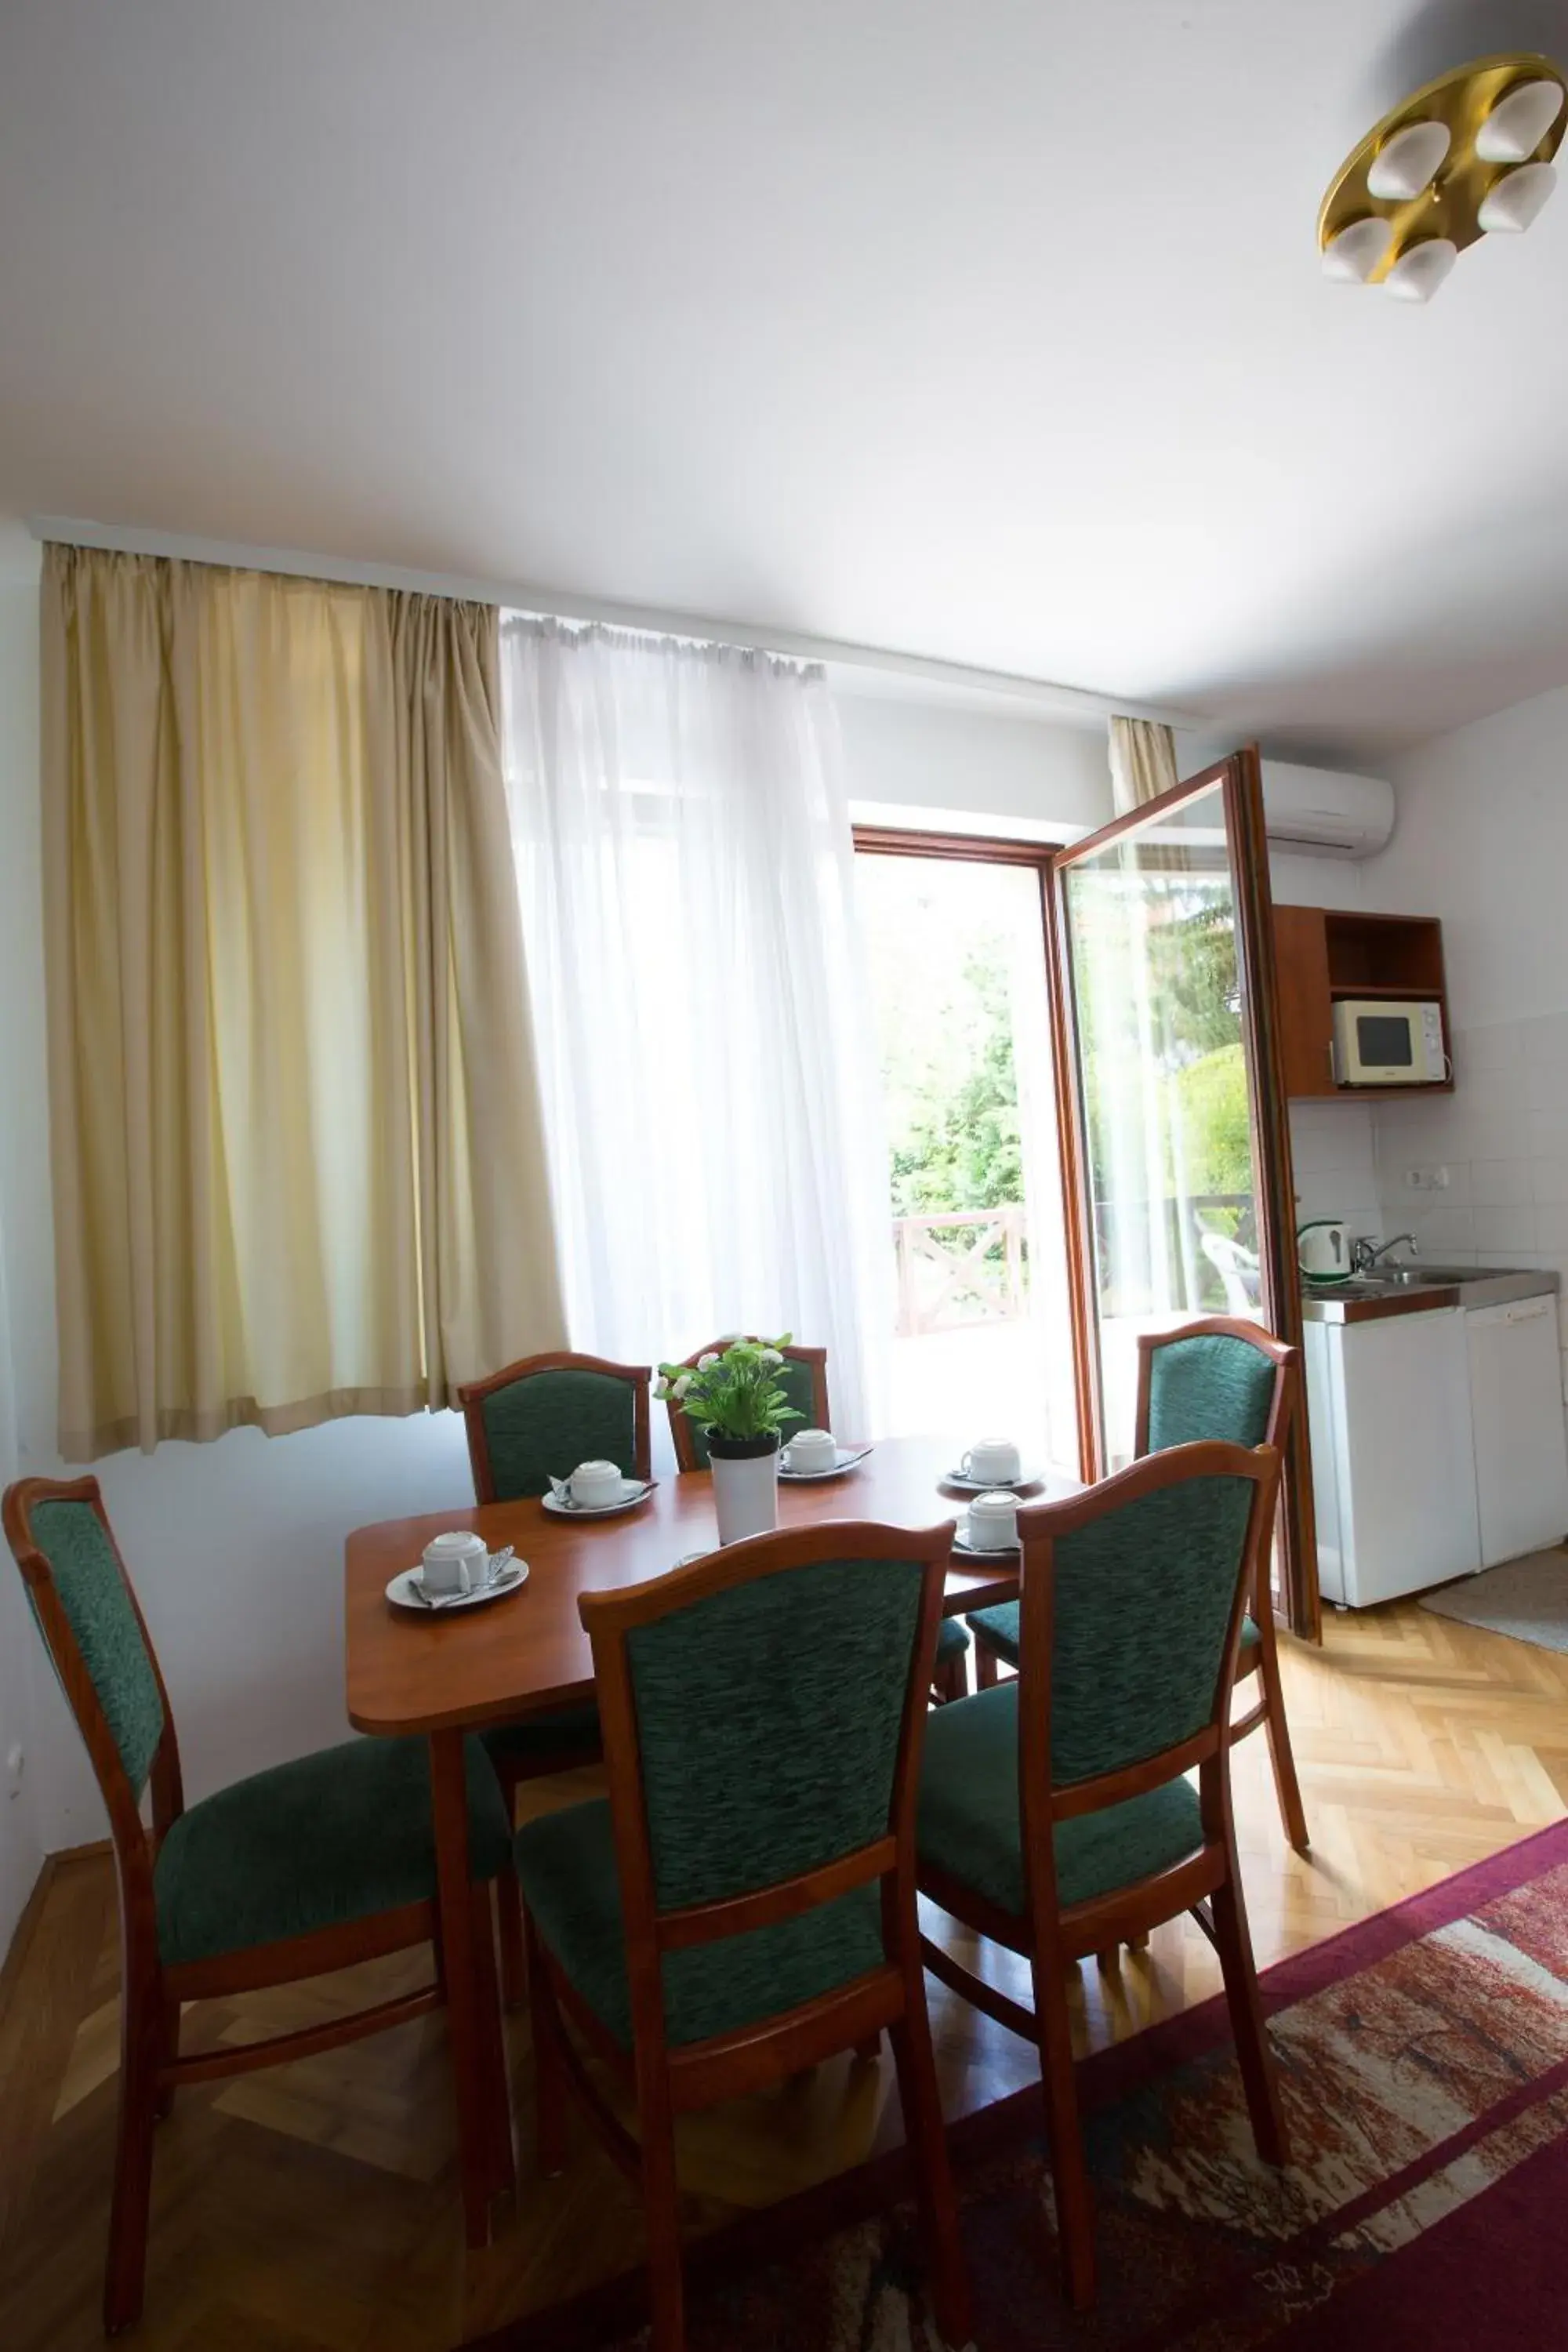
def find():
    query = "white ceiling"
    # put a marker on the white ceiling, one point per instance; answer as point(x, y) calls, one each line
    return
point(992, 331)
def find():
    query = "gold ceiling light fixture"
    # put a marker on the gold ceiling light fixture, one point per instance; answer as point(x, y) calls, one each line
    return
point(1467, 157)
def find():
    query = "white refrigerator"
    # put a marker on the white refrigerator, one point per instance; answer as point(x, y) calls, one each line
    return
point(1394, 1472)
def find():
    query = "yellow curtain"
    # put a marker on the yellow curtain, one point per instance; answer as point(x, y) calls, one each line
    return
point(298, 1165)
point(1143, 762)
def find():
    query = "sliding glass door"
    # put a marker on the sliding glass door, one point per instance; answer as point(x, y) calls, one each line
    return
point(1176, 1147)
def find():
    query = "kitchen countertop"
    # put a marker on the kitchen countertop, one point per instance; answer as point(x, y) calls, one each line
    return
point(1422, 1290)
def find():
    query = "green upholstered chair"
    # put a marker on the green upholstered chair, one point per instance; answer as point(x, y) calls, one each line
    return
point(1217, 1378)
point(1055, 1814)
point(950, 1679)
point(743, 1904)
point(802, 1376)
point(537, 1419)
point(532, 1421)
point(314, 1866)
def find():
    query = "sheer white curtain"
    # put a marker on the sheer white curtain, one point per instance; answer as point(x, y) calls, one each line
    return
point(712, 1099)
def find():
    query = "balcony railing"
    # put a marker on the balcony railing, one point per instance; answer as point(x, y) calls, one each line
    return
point(971, 1267)
point(962, 1267)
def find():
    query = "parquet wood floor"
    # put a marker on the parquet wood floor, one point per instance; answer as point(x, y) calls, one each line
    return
point(315, 2209)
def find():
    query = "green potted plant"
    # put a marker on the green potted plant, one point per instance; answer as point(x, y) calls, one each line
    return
point(736, 1396)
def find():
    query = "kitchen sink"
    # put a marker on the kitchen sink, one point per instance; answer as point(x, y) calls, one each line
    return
point(1408, 1289)
point(1411, 1277)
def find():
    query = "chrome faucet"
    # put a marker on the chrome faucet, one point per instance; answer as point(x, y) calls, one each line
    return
point(1364, 1254)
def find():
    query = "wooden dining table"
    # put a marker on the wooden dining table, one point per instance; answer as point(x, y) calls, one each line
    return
point(447, 1674)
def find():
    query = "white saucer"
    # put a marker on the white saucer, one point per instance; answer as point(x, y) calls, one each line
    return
point(404, 1591)
point(968, 1485)
point(984, 1551)
point(845, 1459)
point(633, 1492)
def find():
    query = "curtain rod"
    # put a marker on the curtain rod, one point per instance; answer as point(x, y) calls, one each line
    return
point(1044, 696)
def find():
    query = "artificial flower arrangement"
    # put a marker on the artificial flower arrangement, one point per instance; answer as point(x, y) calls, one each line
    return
point(733, 1392)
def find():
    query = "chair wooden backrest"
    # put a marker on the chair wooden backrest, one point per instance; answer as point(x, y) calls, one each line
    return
point(804, 1374)
point(1133, 1595)
point(538, 1418)
point(763, 1712)
point(1219, 1376)
point(91, 1622)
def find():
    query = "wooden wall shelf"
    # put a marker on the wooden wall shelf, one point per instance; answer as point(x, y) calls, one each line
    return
point(1322, 953)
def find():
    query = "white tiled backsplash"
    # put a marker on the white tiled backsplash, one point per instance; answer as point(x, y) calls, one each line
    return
point(1336, 1168)
point(1493, 1154)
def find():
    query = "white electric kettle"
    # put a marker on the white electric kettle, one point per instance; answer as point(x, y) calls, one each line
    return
point(1324, 1250)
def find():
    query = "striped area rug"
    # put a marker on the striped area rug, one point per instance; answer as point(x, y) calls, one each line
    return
point(1424, 2066)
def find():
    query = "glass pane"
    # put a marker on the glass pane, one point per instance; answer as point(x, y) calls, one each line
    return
point(1384, 1044)
point(982, 1341)
point(1150, 925)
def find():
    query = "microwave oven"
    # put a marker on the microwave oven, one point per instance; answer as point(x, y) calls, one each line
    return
point(1380, 1043)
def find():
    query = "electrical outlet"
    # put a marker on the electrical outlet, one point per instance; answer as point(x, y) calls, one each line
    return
point(1426, 1179)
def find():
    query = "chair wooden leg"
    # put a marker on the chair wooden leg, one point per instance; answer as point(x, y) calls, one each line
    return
point(1075, 2205)
point(493, 2043)
point(1253, 2053)
point(1110, 1958)
point(465, 2033)
point(985, 1665)
point(1286, 1788)
point(514, 1964)
point(166, 2098)
point(869, 2050)
point(142, 2028)
point(927, 2138)
point(951, 1681)
point(661, 2221)
point(548, 2069)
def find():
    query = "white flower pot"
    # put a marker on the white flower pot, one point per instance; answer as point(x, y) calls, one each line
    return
point(745, 1492)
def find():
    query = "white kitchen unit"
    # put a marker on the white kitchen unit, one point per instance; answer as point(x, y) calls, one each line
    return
point(1435, 1405)
point(1516, 1412)
point(1394, 1471)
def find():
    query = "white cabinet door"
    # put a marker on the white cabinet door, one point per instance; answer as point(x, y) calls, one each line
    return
point(1522, 1449)
point(1406, 1463)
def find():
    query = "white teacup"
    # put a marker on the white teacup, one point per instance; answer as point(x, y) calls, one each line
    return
point(993, 1462)
point(994, 1520)
point(811, 1449)
point(459, 1562)
point(594, 1484)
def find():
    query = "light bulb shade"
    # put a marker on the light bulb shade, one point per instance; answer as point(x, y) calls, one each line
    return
point(1421, 270)
point(1512, 203)
point(1405, 165)
point(1518, 122)
point(1351, 256)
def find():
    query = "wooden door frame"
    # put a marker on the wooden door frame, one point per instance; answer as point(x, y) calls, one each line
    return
point(1240, 778)
point(986, 849)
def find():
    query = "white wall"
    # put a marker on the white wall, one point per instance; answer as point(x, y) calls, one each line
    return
point(1332, 1143)
point(1482, 842)
point(936, 757)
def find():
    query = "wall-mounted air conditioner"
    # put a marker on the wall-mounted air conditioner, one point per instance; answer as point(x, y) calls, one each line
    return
point(1326, 814)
